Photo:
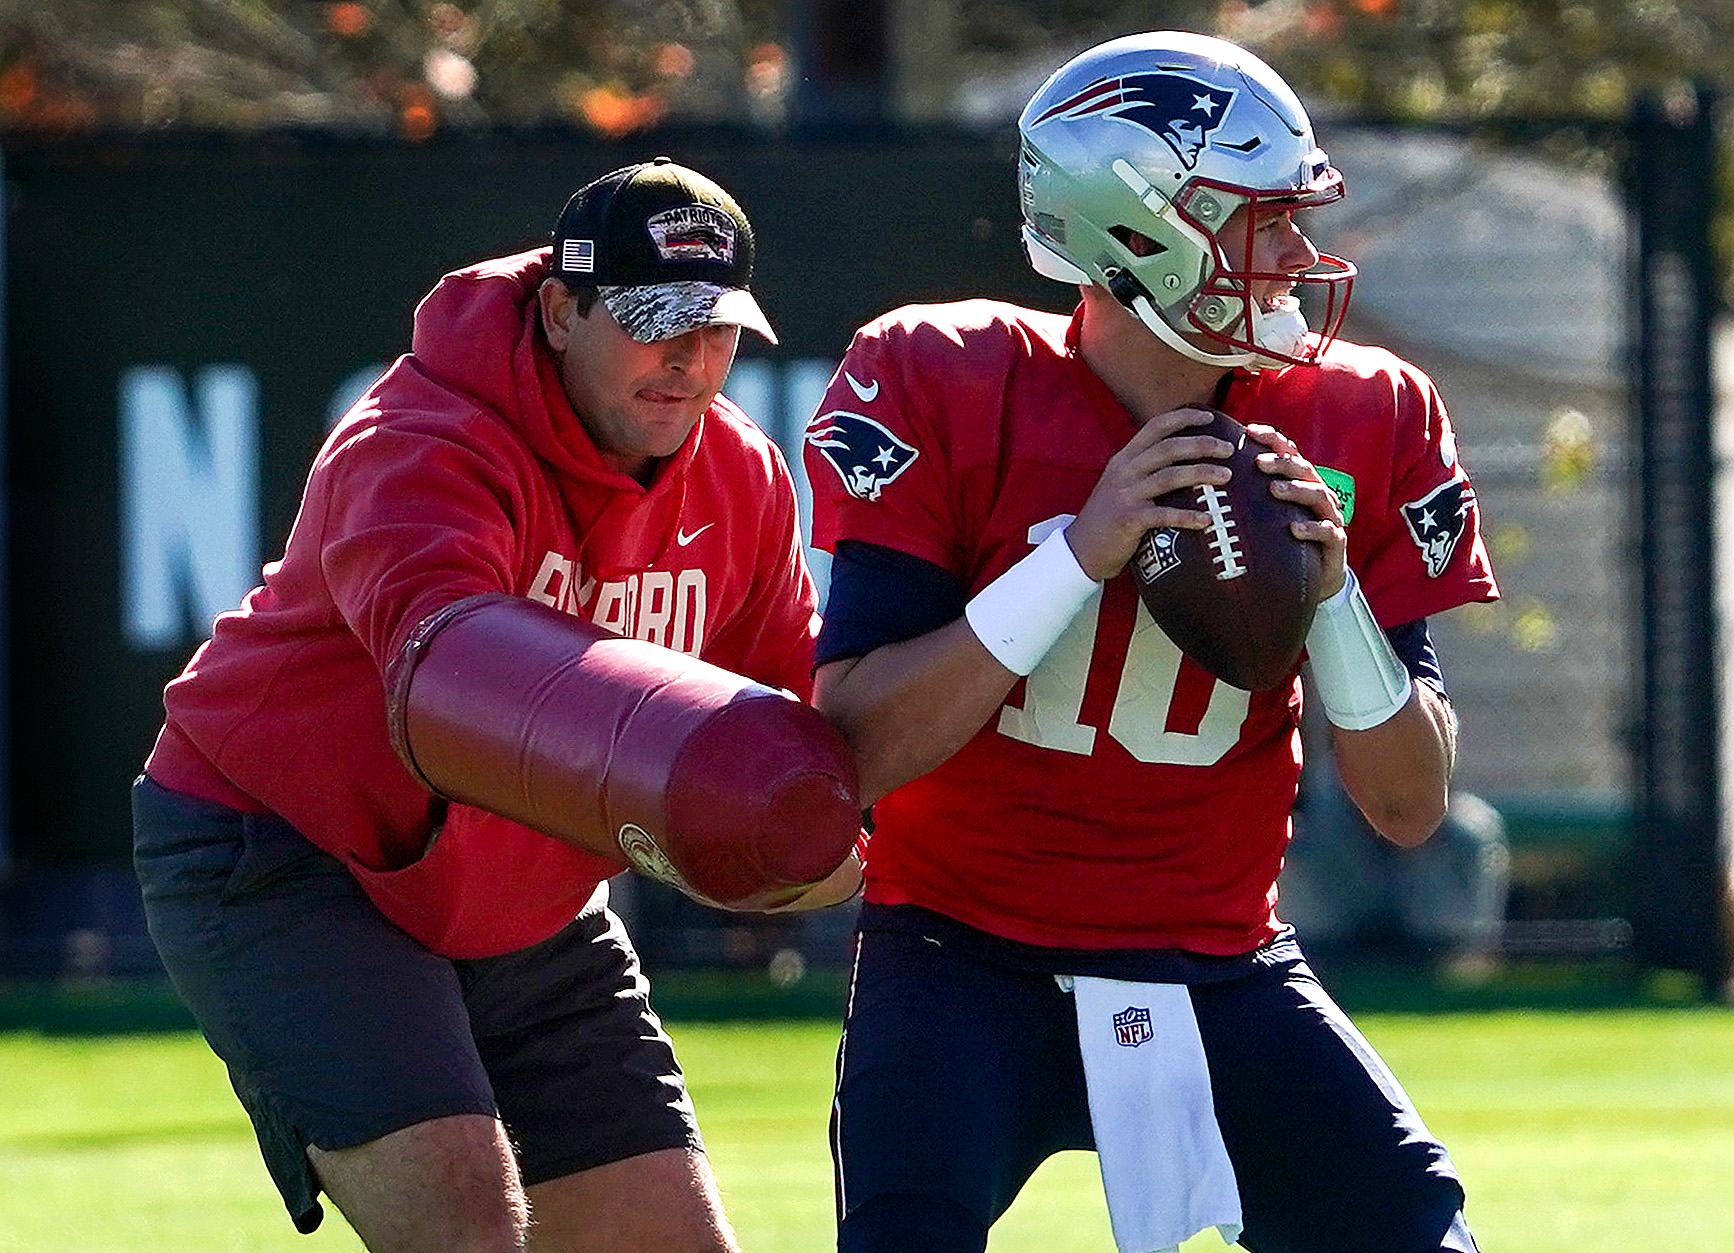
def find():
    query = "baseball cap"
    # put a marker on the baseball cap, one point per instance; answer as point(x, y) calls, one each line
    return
point(667, 249)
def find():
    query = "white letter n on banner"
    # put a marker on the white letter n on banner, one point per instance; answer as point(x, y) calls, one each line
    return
point(189, 500)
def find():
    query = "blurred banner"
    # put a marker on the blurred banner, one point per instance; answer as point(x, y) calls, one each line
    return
point(188, 318)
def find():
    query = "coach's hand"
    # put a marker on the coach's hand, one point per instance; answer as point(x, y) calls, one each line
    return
point(843, 884)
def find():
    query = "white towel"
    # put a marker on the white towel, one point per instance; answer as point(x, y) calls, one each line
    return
point(1165, 1170)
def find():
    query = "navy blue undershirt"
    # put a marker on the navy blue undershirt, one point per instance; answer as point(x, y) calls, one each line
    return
point(881, 596)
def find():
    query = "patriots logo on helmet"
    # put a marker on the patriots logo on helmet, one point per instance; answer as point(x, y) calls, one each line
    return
point(865, 454)
point(1183, 111)
point(1438, 520)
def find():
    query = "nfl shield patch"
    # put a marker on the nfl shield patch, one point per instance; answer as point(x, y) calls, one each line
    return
point(1155, 554)
point(1132, 1027)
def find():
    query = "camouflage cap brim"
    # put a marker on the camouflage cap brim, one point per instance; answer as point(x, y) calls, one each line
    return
point(663, 310)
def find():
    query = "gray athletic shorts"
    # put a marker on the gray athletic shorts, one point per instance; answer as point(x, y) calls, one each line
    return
point(337, 1028)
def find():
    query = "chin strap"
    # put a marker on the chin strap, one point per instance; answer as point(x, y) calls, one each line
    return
point(1126, 288)
point(1281, 330)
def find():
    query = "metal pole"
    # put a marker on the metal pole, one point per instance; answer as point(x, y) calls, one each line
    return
point(1678, 863)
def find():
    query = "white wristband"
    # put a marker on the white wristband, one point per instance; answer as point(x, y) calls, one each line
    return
point(1356, 673)
point(1019, 615)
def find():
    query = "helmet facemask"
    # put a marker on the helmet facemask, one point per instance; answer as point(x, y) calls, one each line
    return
point(1227, 308)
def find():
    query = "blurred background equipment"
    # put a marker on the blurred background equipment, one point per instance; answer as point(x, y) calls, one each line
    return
point(1443, 904)
point(219, 214)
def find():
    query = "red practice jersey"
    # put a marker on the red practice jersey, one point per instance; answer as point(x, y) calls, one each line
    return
point(463, 471)
point(1122, 797)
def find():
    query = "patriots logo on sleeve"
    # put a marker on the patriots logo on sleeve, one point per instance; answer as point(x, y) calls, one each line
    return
point(1438, 520)
point(1183, 111)
point(865, 454)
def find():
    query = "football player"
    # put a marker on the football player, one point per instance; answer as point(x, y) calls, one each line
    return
point(1069, 937)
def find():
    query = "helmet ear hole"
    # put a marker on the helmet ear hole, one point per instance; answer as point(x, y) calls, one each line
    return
point(1136, 242)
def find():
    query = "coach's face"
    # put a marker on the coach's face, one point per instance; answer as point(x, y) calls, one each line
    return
point(637, 401)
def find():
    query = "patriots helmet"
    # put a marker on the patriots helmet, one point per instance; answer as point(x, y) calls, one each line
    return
point(1164, 135)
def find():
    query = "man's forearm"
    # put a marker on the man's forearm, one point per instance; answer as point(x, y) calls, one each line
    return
point(1399, 772)
point(907, 707)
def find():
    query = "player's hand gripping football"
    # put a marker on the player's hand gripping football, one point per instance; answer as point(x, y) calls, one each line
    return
point(1297, 480)
point(1162, 457)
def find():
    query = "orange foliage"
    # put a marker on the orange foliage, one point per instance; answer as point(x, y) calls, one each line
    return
point(18, 89)
point(674, 61)
point(417, 118)
point(614, 113)
point(348, 19)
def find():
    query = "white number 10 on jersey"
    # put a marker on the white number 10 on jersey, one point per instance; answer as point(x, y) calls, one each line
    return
point(1053, 700)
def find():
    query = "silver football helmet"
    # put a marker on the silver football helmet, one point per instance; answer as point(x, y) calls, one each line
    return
point(1164, 135)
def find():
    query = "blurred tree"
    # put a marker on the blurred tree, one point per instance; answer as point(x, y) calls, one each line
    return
point(616, 64)
point(415, 67)
point(1465, 59)
point(613, 65)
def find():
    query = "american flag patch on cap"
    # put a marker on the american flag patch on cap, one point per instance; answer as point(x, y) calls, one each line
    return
point(578, 256)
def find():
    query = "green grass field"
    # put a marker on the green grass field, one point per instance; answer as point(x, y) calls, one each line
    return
point(1608, 1131)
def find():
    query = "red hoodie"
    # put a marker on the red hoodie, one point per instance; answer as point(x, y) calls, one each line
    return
point(465, 470)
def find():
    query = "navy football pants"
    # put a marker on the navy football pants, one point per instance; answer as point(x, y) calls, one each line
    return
point(958, 1076)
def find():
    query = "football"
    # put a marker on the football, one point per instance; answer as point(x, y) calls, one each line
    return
point(1237, 597)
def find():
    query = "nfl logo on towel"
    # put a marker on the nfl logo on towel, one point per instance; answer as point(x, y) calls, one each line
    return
point(1132, 1027)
